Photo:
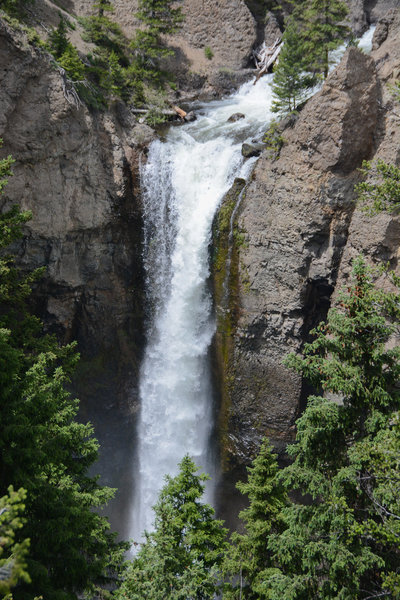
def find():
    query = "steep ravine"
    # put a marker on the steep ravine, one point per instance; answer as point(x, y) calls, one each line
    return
point(298, 229)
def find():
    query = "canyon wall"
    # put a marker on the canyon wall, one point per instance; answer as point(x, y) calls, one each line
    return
point(229, 29)
point(296, 231)
point(78, 174)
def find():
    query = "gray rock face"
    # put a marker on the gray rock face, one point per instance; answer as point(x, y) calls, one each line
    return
point(78, 174)
point(272, 30)
point(364, 12)
point(228, 28)
point(296, 224)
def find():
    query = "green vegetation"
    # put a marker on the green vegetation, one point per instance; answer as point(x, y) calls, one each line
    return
point(313, 30)
point(274, 140)
point(343, 542)
point(208, 53)
point(45, 450)
point(248, 557)
point(180, 559)
point(12, 554)
point(381, 192)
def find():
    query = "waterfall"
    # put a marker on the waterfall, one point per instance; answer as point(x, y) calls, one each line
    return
point(183, 181)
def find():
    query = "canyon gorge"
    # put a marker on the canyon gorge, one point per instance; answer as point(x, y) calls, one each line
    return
point(282, 240)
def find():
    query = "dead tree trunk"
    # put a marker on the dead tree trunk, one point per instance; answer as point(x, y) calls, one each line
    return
point(265, 57)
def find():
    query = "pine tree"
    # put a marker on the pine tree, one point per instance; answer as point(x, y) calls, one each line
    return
point(336, 545)
point(292, 82)
point(58, 38)
point(180, 559)
point(381, 191)
point(12, 554)
point(248, 557)
point(159, 18)
point(315, 28)
point(322, 30)
point(104, 33)
point(43, 448)
point(111, 66)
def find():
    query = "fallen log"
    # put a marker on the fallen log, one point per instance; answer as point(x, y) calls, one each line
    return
point(172, 112)
point(144, 111)
point(265, 57)
point(269, 63)
point(179, 112)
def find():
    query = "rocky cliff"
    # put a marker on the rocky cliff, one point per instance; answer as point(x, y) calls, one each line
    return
point(297, 229)
point(229, 29)
point(296, 232)
point(78, 174)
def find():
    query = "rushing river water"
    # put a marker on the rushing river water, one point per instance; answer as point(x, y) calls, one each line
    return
point(183, 182)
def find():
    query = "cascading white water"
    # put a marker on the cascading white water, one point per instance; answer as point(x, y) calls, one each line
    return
point(183, 182)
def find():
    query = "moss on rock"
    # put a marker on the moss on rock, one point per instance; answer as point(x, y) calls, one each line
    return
point(226, 242)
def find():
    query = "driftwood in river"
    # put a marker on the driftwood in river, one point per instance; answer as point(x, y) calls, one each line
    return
point(174, 111)
point(265, 57)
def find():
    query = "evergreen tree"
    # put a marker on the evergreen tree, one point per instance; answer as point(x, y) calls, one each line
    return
point(322, 30)
point(248, 556)
point(180, 559)
point(74, 67)
point(315, 28)
point(58, 38)
point(382, 193)
point(160, 18)
point(43, 448)
point(104, 33)
point(111, 66)
point(292, 80)
point(12, 554)
point(338, 545)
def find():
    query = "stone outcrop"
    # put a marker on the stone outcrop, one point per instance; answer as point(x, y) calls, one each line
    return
point(227, 28)
point(297, 229)
point(78, 174)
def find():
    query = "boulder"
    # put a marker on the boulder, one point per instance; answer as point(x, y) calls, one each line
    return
point(249, 150)
point(236, 117)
